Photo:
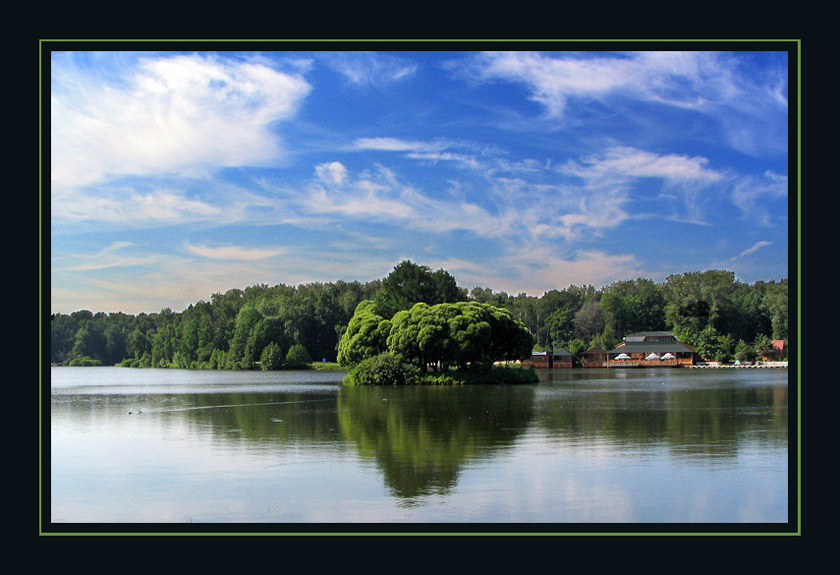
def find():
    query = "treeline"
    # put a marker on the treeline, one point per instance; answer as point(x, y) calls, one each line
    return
point(283, 326)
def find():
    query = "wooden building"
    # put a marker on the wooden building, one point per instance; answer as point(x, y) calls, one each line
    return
point(557, 359)
point(651, 349)
point(594, 357)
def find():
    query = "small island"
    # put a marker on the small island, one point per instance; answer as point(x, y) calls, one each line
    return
point(445, 343)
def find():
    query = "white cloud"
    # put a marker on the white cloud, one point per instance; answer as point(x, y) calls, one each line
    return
point(181, 114)
point(619, 163)
point(754, 248)
point(613, 178)
point(689, 79)
point(380, 196)
point(134, 208)
point(231, 252)
point(397, 145)
point(332, 173)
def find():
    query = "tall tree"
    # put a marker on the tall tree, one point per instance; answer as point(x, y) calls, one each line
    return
point(411, 283)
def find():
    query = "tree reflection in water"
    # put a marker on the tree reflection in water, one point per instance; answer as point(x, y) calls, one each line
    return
point(422, 436)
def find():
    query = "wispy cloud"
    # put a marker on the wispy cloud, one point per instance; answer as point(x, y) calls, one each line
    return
point(381, 196)
point(132, 208)
point(745, 106)
point(694, 80)
point(111, 256)
point(162, 115)
point(399, 145)
point(369, 69)
point(753, 249)
point(751, 195)
point(231, 252)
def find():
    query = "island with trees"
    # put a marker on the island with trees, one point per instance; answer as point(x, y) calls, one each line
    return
point(417, 319)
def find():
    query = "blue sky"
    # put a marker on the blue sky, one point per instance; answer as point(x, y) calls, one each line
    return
point(176, 175)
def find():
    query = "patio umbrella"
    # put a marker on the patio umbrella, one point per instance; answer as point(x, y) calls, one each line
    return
point(622, 356)
point(652, 356)
point(668, 356)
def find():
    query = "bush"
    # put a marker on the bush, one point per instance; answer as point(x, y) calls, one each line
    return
point(271, 357)
point(297, 357)
point(84, 361)
point(383, 369)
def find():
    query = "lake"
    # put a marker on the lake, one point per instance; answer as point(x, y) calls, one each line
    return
point(289, 451)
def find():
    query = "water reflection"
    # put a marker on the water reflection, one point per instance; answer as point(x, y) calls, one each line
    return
point(688, 413)
point(421, 437)
point(582, 445)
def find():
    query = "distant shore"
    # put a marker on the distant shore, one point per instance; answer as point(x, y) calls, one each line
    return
point(756, 365)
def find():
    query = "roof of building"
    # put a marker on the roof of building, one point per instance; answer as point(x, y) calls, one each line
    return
point(653, 333)
point(653, 346)
point(644, 335)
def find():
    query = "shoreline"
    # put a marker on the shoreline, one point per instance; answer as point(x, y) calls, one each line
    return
point(762, 365)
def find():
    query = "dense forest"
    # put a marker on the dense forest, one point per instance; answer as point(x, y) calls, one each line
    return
point(263, 327)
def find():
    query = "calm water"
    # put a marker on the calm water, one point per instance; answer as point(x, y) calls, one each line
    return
point(581, 447)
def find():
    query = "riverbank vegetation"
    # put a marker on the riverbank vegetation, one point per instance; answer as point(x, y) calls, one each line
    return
point(257, 327)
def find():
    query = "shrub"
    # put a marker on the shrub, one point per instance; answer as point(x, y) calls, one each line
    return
point(297, 357)
point(84, 361)
point(383, 369)
point(271, 358)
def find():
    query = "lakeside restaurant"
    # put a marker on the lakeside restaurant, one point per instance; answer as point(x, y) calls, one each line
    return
point(651, 349)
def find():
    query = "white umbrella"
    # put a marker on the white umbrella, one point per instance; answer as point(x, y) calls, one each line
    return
point(622, 356)
point(652, 356)
point(668, 356)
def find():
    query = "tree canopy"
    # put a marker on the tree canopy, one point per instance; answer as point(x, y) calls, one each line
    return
point(350, 321)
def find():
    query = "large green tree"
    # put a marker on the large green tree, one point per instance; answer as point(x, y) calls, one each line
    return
point(366, 335)
point(440, 336)
point(411, 283)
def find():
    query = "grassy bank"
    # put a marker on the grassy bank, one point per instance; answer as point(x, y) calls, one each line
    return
point(326, 366)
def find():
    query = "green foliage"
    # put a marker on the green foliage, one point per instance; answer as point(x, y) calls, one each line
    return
point(391, 369)
point(383, 369)
point(763, 346)
point(365, 336)
point(297, 357)
point(84, 361)
point(775, 300)
point(348, 322)
point(271, 358)
point(463, 334)
point(410, 283)
point(744, 352)
point(577, 346)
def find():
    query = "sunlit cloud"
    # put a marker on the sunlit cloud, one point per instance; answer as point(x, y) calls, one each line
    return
point(164, 115)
